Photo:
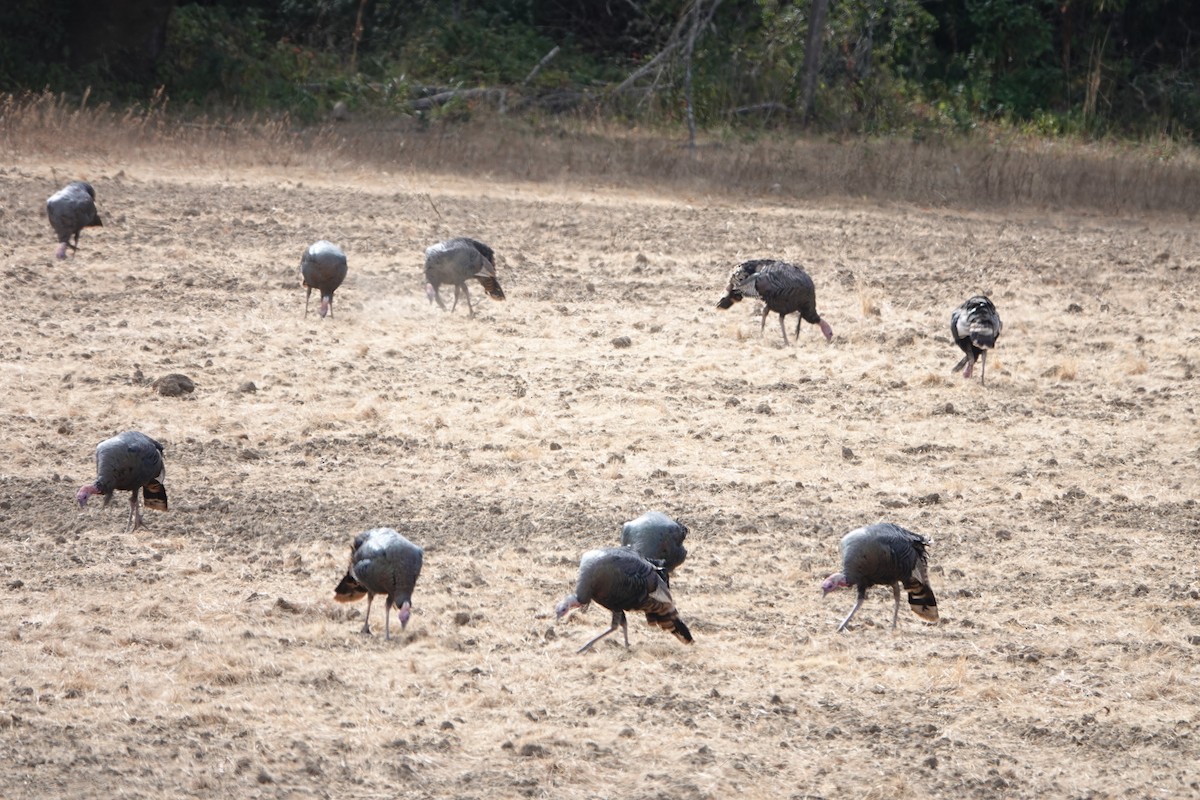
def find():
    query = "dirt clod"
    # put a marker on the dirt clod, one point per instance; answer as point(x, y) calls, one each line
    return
point(174, 385)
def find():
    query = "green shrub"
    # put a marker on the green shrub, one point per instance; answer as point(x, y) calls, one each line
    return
point(219, 56)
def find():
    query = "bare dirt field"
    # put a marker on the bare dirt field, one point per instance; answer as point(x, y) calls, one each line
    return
point(204, 656)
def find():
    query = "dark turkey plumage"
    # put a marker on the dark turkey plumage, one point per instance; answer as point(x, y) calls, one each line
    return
point(621, 580)
point(382, 562)
point(457, 261)
point(322, 267)
point(657, 537)
point(975, 326)
point(884, 554)
point(784, 288)
point(129, 462)
point(71, 209)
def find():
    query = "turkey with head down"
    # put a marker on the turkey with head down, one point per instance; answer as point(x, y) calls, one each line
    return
point(71, 209)
point(784, 288)
point(129, 462)
point(457, 261)
point(382, 562)
point(322, 267)
point(975, 327)
point(657, 537)
point(621, 580)
point(884, 554)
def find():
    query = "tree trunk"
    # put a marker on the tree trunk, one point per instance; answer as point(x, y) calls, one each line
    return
point(812, 58)
point(688, 49)
point(358, 35)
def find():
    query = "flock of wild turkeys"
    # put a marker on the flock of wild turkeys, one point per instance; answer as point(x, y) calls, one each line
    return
point(634, 576)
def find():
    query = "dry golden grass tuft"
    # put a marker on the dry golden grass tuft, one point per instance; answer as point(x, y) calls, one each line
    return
point(1065, 370)
point(205, 655)
point(868, 298)
point(992, 169)
point(1135, 366)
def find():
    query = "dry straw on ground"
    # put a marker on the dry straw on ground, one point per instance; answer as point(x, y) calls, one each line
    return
point(998, 170)
point(205, 655)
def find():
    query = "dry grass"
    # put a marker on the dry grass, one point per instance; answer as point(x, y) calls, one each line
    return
point(46, 126)
point(205, 655)
point(1066, 370)
point(869, 298)
point(997, 169)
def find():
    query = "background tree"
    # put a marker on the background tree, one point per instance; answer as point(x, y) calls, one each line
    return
point(1085, 67)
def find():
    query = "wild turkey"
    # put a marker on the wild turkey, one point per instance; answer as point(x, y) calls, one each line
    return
point(884, 554)
point(657, 537)
point(129, 462)
point(621, 580)
point(382, 562)
point(784, 288)
point(322, 267)
point(71, 209)
point(456, 261)
point(975, 326)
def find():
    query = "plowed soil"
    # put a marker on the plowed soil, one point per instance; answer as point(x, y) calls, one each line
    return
point(204, 655)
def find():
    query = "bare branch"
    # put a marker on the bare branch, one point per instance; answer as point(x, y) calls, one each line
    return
point(670, 47)
point(674, 42)
point(763, 108)
point(441, 219)
point(426, 103)
point(538, 68)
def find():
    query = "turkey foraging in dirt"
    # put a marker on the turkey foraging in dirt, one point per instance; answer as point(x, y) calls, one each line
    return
point(657, 537)
point(322, 267)
point(382, 562)
point(884, 554)
point(457, 261)
point(71, 209)
point(784, 288)
point(129, 462)
point(621, 580)
point(975, 326)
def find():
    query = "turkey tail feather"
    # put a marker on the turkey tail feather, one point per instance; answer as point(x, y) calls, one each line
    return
point(155, 496)
point(349, 590)
point(961, 364)
point(671, 622)
point(921, 600)
point(983, 335)
point(492, 287)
